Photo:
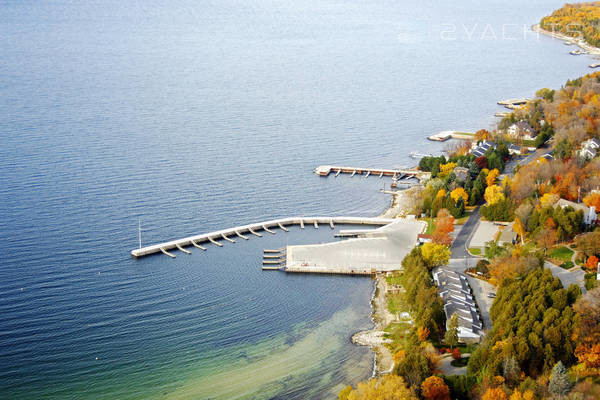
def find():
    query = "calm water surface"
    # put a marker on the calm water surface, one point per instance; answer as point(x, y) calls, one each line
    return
point(198, 115)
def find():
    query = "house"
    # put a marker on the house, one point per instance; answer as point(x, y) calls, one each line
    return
point(522, 130)
point(514, 149)
point(479, 149)
point(589, 213)
point(589, 149)
point(461, 173)
point(423, 238)
point(455, 291)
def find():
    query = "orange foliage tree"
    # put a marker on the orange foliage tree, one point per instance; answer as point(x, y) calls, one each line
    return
point(593, 200)
point(423, 333)
point(434, 388)
point(444, 226)
point(592, 263)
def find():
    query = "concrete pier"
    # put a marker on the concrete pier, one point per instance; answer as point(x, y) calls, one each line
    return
point(210, 237)
point(325, 170)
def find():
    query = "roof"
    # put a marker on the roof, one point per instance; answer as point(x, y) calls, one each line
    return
point(454, 289)
point(566, 203)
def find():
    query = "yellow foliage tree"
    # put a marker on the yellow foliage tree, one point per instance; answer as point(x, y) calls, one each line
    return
point(519, 229)
point(493, 194)
point(445, 169)
point(458, 193)
point(490, 179)
point(435, 254)
point(440, 194)
point(388, 387)
point(494, 394)
point(548, 200)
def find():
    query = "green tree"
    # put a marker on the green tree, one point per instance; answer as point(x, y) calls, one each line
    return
point(451, 336)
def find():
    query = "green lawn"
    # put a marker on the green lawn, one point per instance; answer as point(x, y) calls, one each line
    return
point(395, 303)
point(430, 225)
point(475, 251)
point(394, 278)
point(562, 253)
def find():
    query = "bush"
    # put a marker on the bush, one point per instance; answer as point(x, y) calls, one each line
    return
point(567, 265)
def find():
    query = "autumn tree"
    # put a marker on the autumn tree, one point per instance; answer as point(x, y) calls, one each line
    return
point(435, 254)
point(588, 243)
point(459, 193)
point(490, 179)
point(482, 134)
point(423, 333)
point(444, 226)
point(592, 263)
point(593, 200)
point(388, 387)
point(494, 394)
point(451, 336)
point(493, 194)
point(546, 238)
point(434, 388)
point(519, 229)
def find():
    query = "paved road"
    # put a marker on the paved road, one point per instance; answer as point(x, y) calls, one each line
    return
point(567, 276)
point(459, 246)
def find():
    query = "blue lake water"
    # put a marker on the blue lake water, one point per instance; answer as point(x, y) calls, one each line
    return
point(196, 116)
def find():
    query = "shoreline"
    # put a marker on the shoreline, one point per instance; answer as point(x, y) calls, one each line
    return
point(582, 44)
point(383, 362)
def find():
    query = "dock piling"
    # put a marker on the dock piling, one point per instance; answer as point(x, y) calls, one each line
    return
point(316, 224)
point(167, 253)
point(182, 249)
point(226, 238)
point(283, 228)
point(302, 223)
point(215, 242)
point(254, 233)
point(267, 229)
point(331, 224)
point(197, 245)
point(240, 235)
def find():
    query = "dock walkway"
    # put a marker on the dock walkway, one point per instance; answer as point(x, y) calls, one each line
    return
point(212, 237)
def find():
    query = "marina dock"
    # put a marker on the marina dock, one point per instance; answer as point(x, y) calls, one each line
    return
point(216, 237)
point(325, 170)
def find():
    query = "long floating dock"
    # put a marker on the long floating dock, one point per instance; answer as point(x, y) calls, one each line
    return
point(325, 170)
point(212, 237)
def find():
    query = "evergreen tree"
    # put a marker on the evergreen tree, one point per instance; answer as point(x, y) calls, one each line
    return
point(559, 383)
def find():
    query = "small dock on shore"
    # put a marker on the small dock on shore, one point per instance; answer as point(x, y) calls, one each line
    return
point(513, 104)
point(446, 135)
point(216, 238)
